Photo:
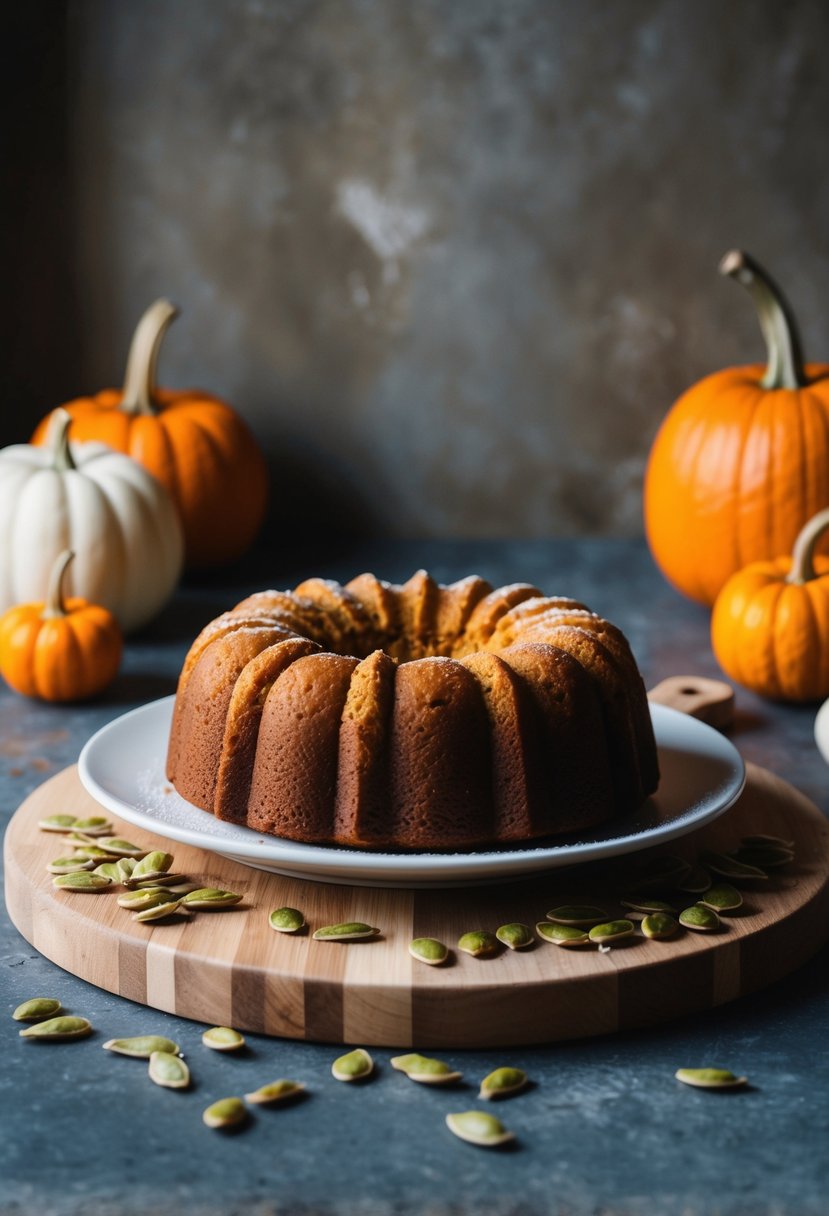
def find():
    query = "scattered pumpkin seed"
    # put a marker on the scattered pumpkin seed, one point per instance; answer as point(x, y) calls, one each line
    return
point(764, 857)
point(710, 1078)
point(404, 1063)
point(761, 841)
point(142, 1046)
point(478, 1127)
point(480, 943)
point(116, 847)
point(348, 931)
point(70, 865)
point(223, 1038)
point(160, 878)
point(648, 906)
point(208, 899)
point(700, 918)
point(353, 1066)
point(58, 1030)
point(561, 935)
point(276, 1091)
point(92, 852)
point(83, 881)
point(729, 867)
point(96, 825)
point(722, 897)
point(174, 888)
point(286, 920)
point(158, 911)
point(126, 865)
point(426, 1071)
point(149, 897)
point(612, 931)
point(578, 915)
point(109, 869)
point(659, 925)
point(428, 950)
point(227, 1112)
point(152, 863)
point(696, 882)
point(37, 1009)
point(168, 1070)
point(57, 823)
point(503, 1083)
point(515, 935)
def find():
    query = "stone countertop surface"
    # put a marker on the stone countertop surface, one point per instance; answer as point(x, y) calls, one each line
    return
point(605, 1129)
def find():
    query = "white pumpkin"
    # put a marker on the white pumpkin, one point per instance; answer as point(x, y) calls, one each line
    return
point(119, 520)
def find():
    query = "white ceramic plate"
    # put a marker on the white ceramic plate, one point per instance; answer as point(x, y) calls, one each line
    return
point(122, 767)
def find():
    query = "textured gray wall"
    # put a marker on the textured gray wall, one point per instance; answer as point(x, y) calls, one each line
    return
point(453, 259)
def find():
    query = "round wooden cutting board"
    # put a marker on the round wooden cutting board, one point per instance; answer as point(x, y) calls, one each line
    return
point(231, 968)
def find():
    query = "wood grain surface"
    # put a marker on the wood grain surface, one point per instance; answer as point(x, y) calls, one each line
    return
point(230, 968)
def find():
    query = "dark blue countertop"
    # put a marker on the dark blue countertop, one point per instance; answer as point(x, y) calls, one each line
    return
point(605, 1127)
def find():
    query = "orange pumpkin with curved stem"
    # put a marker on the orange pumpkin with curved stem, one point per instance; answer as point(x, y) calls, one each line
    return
point(741, 462)
point(196, 445)
point(62, 649)
point(770, 625)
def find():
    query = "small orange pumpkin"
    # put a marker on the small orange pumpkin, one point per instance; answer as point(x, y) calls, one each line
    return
point(196, 445)
point(59, 650)
point(741, 462)
point(770, 625)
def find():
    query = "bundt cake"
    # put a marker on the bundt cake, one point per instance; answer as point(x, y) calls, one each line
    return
point(411, 717)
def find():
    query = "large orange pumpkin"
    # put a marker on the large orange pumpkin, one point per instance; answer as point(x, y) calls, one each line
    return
point(741, 462)
point(195, 444)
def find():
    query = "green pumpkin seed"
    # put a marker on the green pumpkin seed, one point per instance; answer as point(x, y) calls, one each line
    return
point(174, 888)
point(286, 920)
point(426, 1071)
point(659, 925)
point(142, 1046)
point(354, 1066)
point(109, 869)
point(277, 1091)
point(56, 823)
point(722, 898)
point(578, 915)
point(515, 935)
point(70, 865)
point(696, 882)
point(126, 865)
point(700, 918)
point(561, 935)
point(503, 1083)
point(729, 867)
point(223, 1038)
point(58, 1030)
point(168, 1070)
point(348, 931)
point(477, 1127)
point(209, 899)
point(116, 847)
point(158, 911)
point(428, 950)
point(161, 878)
point(227, 1112)
point(648, 906)
point(156, 862)
point(151, 897)
point(764, 857)
point(97, 825)
point(37, 1009)
point(710, 1078)
point(761, 841)
point(91, 852)
point(612, 931)
point(480, 943)
point(404, 1063)
point(84, 882)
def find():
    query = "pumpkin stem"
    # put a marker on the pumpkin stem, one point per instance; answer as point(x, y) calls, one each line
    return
point(57, 440)
point(139, 381)
point(785, 360)
point(54, 605)
point(803, 567)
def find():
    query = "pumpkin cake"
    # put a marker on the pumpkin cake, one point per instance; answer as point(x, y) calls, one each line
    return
point(411, 717)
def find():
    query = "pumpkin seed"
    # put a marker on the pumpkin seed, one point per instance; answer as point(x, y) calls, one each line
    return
point(158, 911)
point(227, 1112)
point(659, 925)
point(480, 943)
point(151, 897)
point(153, 863)
point(286, 920)
point(91, 852)
point(96, 825)
point(56, 823)
point(579, 915)
point(764, 857)
point(70, 865)
point(126, 865)
point(161, 878)
point(37, 1009)
point(168, 1070)
point(142, 1046)
point(354, 1066)
point(404, 1063)
point(174, 888)
point(697, 882)
point(58, 1030)
point(761, 841)
point(700, 918)
point(729, 867)
point(561, 935)
point(348, 931)
point(612, 931)
point(428, 950)
point(223, 1038)
point(710, 1078)
point(648, 906)
point(503, 1083)
point(209, 899)
point(276, 1091)
point(515, 935)
point(109, 869)
point(477, 1127)
point(83, 881)
point(426, 1071)
point(722, 898)
point(116, 847)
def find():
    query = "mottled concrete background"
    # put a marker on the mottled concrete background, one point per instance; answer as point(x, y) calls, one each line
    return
point(453, 259)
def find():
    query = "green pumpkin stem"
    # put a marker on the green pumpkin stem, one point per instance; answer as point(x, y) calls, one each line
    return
point(785, 360)
point(54, 605)
point(803, 566)
point(139, 381)
point(57, 440)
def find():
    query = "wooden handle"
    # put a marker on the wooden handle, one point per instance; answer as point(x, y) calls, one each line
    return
point(711, 701)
